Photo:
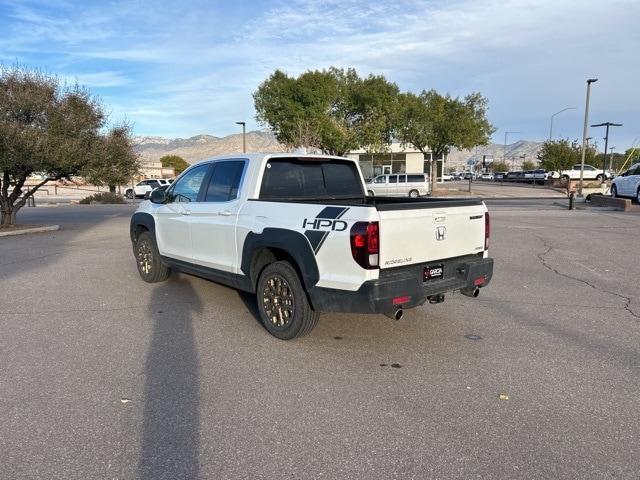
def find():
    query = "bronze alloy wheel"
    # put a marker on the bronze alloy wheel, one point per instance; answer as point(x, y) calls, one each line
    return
point(284, 308)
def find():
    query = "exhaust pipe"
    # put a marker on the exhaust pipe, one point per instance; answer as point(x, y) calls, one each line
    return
point(473, 293)
point(396, 315)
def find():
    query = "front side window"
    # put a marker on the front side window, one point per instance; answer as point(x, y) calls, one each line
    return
point(187, 187)
point(381, 179)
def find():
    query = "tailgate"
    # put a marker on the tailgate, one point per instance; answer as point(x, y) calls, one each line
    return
point(431, 232)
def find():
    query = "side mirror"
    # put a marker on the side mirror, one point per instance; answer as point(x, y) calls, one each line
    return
point(159, 195)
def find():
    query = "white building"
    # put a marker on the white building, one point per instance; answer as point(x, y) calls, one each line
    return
point(398, 159)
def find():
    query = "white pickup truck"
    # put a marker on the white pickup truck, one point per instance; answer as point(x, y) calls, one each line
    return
point(300, 232)
point(589, 173)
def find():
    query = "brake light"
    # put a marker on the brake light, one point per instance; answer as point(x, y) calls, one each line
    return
point(365, 244)
point(487, 230)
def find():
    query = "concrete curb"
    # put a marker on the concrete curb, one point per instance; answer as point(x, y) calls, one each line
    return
point(24, 229)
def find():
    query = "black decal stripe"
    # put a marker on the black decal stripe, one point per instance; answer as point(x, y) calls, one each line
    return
point(332, 212)
point(316, 238)
point(317, 249)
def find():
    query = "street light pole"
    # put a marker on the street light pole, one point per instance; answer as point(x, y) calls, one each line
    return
point(504, 151)
point(557, 113)
point(584, 136)
point(606, 143)
point(611, 158)
point(244, 139)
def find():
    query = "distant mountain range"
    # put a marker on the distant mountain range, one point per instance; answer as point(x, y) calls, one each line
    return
point(151, 149)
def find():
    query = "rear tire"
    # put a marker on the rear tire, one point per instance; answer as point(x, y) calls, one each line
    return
point(414, 193)
point(284, 308)
point(150, 266)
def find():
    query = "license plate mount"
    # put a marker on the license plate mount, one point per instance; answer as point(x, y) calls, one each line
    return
point(433, 272)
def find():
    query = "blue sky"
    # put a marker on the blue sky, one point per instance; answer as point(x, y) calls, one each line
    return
point(179, 69)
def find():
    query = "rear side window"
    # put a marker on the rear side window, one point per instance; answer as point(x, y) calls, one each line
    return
point(299, 178)
point(224, 182)
point(416, 178)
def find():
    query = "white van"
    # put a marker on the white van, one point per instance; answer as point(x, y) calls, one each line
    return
point(399, 185)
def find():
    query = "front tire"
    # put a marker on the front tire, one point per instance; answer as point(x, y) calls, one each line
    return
point(284, 308)
point(129, 194)
point(614, 191)
point(150, 266)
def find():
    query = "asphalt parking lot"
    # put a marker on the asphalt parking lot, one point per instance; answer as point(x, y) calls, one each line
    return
point(106, 377)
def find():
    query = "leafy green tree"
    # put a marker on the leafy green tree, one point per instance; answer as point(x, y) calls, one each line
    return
point(332, 110)
point(113, 161)
point(178, 163)
point(47, 128)
point(528, 165)
point(558, 155)
point(623, 162)
point(499, 167)
point(435, 123)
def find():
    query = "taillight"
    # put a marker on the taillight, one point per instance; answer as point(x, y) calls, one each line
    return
point(365, 244)
point(487, 230)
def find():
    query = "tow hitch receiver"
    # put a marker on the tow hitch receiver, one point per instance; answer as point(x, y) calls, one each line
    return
point(439, 298)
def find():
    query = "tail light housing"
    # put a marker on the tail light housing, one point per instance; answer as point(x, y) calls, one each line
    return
point(365, 244)
point(487, 230)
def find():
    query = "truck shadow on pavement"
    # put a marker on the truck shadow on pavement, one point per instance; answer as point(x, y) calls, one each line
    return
point(170, 425)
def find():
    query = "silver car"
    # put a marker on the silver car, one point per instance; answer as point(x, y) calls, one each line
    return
point(627, 184)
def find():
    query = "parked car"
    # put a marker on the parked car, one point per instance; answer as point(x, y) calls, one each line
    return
point(447, 177)
point(540, 174)
point(590, 173)
point(144, 186)
point(515, 176)
point(627, 184)
point(486, 176)
point(400, 185)
point(498, 176)
point(147, 194)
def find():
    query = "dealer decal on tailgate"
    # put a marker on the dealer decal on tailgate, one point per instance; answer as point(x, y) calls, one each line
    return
point(432, 272)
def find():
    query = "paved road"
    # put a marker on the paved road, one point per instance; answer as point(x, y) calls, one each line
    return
point(105, 377)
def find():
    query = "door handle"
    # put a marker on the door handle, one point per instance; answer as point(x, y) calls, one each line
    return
point(185, 212)
point(225, 213)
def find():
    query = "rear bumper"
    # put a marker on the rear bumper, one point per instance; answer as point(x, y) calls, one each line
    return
point(404, 288)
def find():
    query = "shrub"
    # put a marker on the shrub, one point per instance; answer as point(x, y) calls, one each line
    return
point(103, 198)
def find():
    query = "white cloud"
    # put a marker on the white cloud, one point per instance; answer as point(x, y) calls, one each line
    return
point(199, 62)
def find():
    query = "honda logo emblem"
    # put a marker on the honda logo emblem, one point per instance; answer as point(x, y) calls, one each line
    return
point(441, 233)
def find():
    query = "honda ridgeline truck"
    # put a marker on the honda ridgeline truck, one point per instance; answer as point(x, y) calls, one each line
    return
point(300, 232)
